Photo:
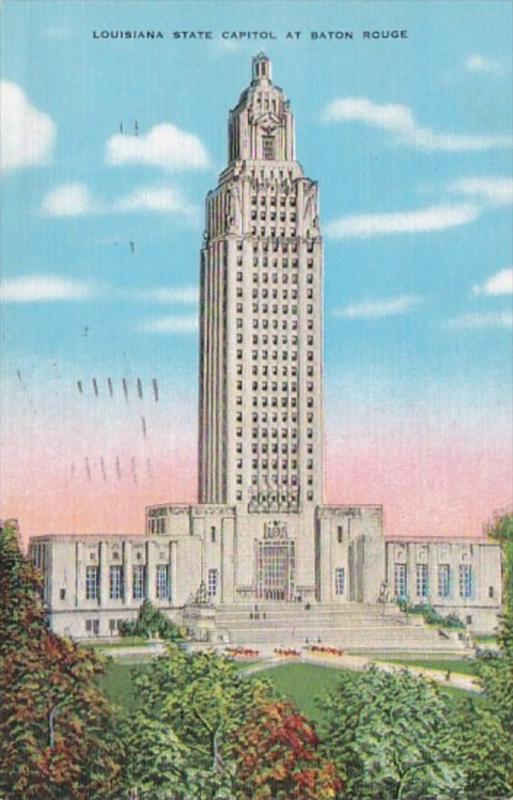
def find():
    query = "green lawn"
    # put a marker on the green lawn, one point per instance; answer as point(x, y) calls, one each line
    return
point(117, 682)
point(484, 640)
point(302, 683)
point(122, 641)
point(461, 666)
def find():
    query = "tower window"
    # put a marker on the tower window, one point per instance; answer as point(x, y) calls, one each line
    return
point(212, 582)
point(339, 580)
point(268, 148)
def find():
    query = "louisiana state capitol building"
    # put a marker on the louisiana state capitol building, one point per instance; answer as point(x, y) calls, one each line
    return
point(260, 557)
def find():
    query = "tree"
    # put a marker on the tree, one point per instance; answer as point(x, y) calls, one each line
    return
point(56, 735)
point(151, 622)
point(278, 757)
point(21, 605)
point(391, 736)
point(501, 530)
point(484, 751)
point(190, 707)
point(495, 670)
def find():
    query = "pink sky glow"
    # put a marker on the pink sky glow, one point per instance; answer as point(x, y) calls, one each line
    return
point(426, 489)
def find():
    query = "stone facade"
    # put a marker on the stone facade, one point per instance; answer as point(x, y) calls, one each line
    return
point(92, 582)
point(461, 577)
point(260, 533)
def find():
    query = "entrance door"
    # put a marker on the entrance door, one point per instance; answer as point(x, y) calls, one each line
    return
point(275, 571)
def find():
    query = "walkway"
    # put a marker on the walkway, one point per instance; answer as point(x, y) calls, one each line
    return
point(270, 660)
point(455, 680)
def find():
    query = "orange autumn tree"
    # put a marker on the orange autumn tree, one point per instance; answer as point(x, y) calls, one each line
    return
point(56, 737)
point(278, 758)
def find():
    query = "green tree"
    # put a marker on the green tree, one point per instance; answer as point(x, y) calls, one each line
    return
point(391, 736)
point(501, 530)
point(151, 622)
point(190, 707)
point(484, 751)
point(495, 670)
point(21, 605)
point(56, 736)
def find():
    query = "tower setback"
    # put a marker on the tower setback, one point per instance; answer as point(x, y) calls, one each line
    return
point(260, 410)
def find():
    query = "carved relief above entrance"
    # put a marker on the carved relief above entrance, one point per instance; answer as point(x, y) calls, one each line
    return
point(275, 530)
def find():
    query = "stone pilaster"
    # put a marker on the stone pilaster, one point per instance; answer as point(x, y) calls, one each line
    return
point(151, 563)
point(127, 574)
point(104, 575)
point(227, 560)
point(173, 570)
point(79, 575)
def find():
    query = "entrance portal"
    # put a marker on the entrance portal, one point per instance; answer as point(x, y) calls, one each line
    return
point(275, 571)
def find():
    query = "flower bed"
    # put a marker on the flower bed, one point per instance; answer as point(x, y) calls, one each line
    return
point(287, 652)
point(325, 650)
point(241, 652)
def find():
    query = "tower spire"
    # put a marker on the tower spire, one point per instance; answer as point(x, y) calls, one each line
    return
point(261, 126)
point(261, 69)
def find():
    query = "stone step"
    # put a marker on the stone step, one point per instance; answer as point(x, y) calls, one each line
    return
point(311, 623)
point(352, 626)
point(350, 639)
point(318, 614)
point(338, 613)
point(300, 607)
point(298, 627)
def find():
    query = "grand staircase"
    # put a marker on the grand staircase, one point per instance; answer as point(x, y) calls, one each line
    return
point(352, 626)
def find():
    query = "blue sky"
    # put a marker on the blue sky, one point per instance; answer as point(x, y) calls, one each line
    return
point(410, 140)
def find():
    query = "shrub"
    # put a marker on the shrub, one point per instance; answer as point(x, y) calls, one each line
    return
point(431, 617)
point(151, 622)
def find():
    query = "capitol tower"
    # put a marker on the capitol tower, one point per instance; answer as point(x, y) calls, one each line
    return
point(260, 418)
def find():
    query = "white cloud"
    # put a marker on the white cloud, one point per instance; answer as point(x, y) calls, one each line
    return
point(374, 309)
point(183, 295)
point(433, 218)
point(488, 189)
point(70, 200)
point(163, 146)
point(75, 199)
point(482, 320)
point(43, 288)
point(500, 283)
point(478, 63)
point(27, 134)
point(171, 324)
point(399, 121)
point(148, 198)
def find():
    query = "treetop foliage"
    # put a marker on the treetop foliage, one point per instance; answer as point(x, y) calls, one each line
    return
point(56, 727)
